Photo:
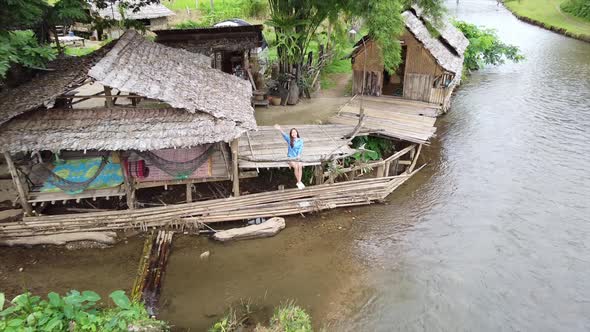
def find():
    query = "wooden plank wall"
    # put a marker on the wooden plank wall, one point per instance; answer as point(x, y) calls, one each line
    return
point(418, 86)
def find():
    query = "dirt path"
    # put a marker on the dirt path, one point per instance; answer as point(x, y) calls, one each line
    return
point(340, 90)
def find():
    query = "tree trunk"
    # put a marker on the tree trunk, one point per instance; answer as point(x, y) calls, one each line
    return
point(212, 5)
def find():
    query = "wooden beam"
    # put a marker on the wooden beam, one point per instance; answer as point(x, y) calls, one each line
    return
point(235, 170)
point(22, 195)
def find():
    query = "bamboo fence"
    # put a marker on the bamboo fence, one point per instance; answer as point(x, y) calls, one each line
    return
point(190, 216)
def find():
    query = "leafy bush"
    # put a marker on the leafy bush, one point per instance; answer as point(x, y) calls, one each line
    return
point(73, 312)
point(21, 47)
point(286, 318)
point(579, 8)
point(290, 318)
point(375, 147)
point(485, 47)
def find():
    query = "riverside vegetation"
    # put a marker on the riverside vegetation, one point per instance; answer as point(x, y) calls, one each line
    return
point(76, 311)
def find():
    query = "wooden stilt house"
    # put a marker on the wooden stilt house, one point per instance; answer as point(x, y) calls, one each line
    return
point(161, 116)
point(231, 48)
point(431, 66)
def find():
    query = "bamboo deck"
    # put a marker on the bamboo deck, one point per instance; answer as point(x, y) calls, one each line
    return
point(189, 216)
point(262, 147)
point(407, 120)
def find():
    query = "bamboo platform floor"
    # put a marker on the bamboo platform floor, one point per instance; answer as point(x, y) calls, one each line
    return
point(398, 118)
point(265, 148)
point(190, 216)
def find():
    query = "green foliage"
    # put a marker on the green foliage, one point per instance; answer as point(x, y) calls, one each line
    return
point(21, 47)
point(290, 318)
point(485, 47)
point(189, 24)
point(73, 312)
point(375, 148)
point(19, 14)
point(579, 8)
point(286, 318)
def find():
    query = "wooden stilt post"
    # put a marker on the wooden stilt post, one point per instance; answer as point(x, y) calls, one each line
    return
point(129, 185)
point(319, 174)
point(108, 102)
point(22, 195)
point(234, 168)
point(380, 170)
point(387, 166)
point(189, 192)
point(415, 159)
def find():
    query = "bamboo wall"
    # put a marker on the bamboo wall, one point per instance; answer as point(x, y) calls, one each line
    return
point(421, 71)
point(373, 67)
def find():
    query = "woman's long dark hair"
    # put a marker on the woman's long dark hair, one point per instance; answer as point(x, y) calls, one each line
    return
point(291, 139)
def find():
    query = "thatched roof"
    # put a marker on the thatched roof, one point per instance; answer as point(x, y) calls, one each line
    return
point(147, 12)
point(63, 76)
point(453, 36)
point(114, 129)
point(451, 59)
point(175, 77)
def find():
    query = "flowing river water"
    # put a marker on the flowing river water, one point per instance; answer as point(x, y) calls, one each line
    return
point(491, 236)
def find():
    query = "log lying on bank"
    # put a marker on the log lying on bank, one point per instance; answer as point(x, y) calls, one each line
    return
point(11, 215)
point(268, 228)
point(61, 239)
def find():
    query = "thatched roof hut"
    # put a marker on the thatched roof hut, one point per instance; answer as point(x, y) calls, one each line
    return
point(180, 107)
point(203, 105)
point(213, 39)
point(147, 12)
point(177, 77)
point(431, 64)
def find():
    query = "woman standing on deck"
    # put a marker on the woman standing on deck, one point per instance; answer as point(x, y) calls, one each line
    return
point(294, 149)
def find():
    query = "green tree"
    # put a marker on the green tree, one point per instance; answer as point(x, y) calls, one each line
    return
point(485, 47)
point(297, 21)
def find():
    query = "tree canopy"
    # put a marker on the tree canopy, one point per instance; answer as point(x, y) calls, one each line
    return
point(485, 47)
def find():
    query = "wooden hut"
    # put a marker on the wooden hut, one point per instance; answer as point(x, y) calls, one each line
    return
point(232, 48)
point(167, 118)
point(431, 65)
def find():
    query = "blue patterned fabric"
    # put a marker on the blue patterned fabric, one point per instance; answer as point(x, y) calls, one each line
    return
point(80, 170)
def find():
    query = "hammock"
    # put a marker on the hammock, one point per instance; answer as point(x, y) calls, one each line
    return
point(177, 169)
point(68, 186)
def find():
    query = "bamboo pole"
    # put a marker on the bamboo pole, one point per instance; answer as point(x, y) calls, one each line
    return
point(16, 179)
point(415, 160)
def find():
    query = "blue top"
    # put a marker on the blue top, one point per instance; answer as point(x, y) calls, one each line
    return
point(295, 150)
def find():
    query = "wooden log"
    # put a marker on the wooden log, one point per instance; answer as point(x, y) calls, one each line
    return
point(18, 183)
point(235, 170)
point(266, 229)
point(61, 239)
point(11, 215)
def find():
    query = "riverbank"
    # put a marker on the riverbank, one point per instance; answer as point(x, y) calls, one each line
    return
point(548, 15)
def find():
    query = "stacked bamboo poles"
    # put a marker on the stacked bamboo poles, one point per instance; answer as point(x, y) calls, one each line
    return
point(189, 216)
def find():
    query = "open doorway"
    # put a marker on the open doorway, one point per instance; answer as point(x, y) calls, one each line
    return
point(393, 84)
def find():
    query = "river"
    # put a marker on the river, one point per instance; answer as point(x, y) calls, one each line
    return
point(491, 236)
